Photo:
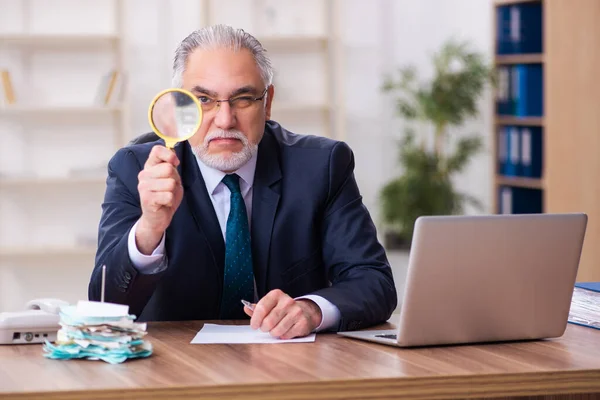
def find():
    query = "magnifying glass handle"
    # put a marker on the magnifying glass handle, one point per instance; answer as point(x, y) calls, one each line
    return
point(170, 144)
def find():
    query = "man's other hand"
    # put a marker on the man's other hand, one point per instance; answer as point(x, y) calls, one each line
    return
point(284, 317)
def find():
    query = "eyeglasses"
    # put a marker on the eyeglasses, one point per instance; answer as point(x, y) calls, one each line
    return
point(239, 102)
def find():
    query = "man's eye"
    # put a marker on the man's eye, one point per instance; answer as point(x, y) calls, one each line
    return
point(242, 101)
point(204, 99)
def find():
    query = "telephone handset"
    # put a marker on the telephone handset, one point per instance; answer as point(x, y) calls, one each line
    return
point(37, 323)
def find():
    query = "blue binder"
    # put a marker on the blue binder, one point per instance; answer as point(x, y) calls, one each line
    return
point(503, 92)
point(531, 164)
point(503, 44)
point(513, 151)
point(527, 90)
point(502, 152)
point(516, 200)
point(525, 28)
point(593, 286)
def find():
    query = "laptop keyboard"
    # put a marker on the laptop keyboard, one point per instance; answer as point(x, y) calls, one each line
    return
point(387, 336)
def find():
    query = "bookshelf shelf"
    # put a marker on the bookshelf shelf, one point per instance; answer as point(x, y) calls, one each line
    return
point(294, 42)
point(28, 110)
point(300, 108)
point(57, 40)
point(510, 2)
point(519, 59)
point(37, 181)
point(528, 183)
point(47, 251)
point(519, 121)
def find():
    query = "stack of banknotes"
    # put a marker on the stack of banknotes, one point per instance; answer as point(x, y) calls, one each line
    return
point(98, 331)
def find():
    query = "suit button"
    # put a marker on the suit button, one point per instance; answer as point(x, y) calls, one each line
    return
point(127, 276)
point(122, 289)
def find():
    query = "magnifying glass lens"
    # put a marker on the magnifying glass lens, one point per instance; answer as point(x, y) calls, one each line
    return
point(175, 115)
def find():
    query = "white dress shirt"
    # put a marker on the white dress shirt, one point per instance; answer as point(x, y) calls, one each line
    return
point(220, 196)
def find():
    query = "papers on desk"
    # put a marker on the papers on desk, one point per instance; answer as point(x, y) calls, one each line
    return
point(585, 308)
point(239, 334)
point(98, 331)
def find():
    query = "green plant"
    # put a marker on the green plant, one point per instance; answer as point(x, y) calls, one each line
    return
point(450, 98)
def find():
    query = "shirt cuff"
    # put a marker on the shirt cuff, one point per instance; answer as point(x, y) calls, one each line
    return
point(146, 264)
point(330, 313)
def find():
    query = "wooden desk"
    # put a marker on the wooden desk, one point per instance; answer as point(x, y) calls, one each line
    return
point(332, 367)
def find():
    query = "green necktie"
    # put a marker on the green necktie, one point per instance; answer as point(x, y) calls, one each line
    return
point(238, 281)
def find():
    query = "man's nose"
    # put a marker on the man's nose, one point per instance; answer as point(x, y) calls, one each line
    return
point(225, 117)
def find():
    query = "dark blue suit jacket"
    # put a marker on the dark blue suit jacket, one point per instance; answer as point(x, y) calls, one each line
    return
point(310, 232)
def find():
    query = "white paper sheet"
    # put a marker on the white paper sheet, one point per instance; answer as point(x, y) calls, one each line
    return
point(237, 334)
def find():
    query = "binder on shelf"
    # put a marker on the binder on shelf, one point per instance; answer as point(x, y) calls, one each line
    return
point(111, 89)
point(527, 90)
point(9, 92)
point(111, 86)
point(517, 200)
point(503, 45)
point(519, 28)
point(503, 91)
point(531, 152)
point(511, 167)
point(526, 28)
point(502, 150)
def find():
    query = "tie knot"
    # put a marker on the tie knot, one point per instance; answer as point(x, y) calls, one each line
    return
point(232, 181)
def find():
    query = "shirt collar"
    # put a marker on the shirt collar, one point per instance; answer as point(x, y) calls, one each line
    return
point(212, 177)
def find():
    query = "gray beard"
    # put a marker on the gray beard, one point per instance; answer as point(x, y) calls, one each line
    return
point(230, 162)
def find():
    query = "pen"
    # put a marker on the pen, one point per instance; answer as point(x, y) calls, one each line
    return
point(248, 304)
point(103, 283)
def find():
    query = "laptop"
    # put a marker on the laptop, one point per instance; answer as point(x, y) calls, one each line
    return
point(486, 278)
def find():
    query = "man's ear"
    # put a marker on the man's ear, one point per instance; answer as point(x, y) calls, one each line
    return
point(270, 95)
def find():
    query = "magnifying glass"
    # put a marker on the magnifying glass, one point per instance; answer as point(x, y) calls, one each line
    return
point(175, 115)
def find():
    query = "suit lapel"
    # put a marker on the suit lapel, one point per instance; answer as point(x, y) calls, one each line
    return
point(265, 198)
point(199, 202)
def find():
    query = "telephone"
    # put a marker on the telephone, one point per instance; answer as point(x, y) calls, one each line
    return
point(37, 323)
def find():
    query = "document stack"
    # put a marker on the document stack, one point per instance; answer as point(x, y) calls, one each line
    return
point(98, 331)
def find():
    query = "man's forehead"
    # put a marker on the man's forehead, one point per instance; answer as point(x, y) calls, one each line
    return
point(223, 59)
point(221, 69)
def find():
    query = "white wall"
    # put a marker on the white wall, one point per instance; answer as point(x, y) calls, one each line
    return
point(377, 36)
point(391, 33)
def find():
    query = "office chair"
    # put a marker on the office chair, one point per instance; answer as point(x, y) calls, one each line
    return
point(144, 138)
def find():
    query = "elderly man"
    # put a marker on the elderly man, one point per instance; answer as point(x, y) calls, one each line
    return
point(243, 210)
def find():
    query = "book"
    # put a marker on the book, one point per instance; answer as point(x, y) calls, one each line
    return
point(9, 93)
point(585, 305)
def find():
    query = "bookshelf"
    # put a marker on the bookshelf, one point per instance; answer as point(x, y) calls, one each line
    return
point(44, 40)
point(568, 124)
point(58, 135)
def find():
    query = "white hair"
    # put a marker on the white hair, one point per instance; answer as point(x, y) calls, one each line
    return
point(221, 36)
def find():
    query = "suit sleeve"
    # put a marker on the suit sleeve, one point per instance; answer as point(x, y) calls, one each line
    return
point(120, 211)
point(362, 286)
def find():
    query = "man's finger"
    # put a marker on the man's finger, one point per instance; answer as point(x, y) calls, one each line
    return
point(264, 307)
point(286, 323)
point(160, 154)
point(163, 198)
point(285, 305)
point(299, 329)
point(161, 184)
point(162, 170)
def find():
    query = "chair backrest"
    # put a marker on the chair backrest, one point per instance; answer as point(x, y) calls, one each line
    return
point(144, 138)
